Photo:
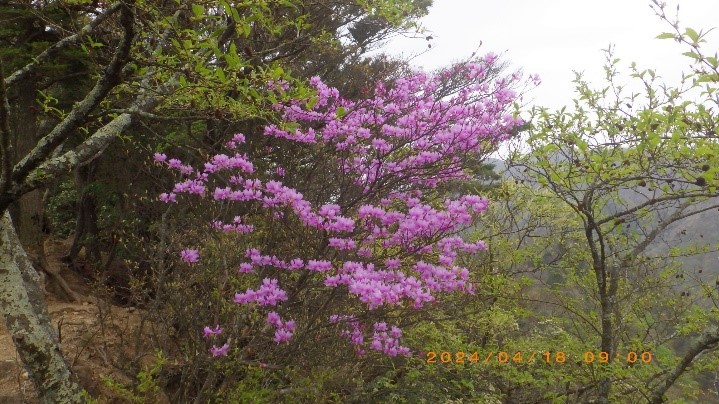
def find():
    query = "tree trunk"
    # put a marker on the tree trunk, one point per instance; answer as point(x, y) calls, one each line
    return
point(86, 229)
point(609, 321)
point(28, 322)
point(28, 210)
point(605, 383)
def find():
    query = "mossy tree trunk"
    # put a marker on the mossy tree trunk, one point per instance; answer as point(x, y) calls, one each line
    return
point(29, 324)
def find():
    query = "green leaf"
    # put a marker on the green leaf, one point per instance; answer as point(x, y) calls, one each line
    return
point(221, 75)
point(235, 15)
point(708, 78)
point(198, 10)
point(666, 35)
point(233, 60)
point(227, 7)
point(692, 34)
point(312, 102)
point(290, 126)
point(653, 139)
point(581, 144)
point(341, 112)
point(277, 72)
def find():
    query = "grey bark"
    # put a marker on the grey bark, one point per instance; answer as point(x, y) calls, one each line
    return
point(28, 322)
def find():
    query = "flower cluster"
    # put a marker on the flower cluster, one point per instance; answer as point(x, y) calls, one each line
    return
point(216, 350)
point(235, 226)
point(269, 294)
point(402, 141)
point(405, 131)
point(190, 256)
point(220, 350)
point(353, 330)
point(208, 332)
point(284, 328)
point(383, 340)
point(388, 341)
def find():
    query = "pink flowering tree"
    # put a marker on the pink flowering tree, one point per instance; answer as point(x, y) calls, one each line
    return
point(362, 232)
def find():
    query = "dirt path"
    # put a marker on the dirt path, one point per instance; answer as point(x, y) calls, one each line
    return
point(97, 339)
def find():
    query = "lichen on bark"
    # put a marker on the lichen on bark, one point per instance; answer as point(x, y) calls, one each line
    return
point(28, 322)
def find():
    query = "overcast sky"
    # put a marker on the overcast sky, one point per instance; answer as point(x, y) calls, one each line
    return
point(555, 37)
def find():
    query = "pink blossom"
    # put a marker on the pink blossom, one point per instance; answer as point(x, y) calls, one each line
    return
point(392, 263)
point(207, 332)
point(238, 138)
point(168, 198)
point(220, 351)
point(342, 243)
point(284, 330)
point(274, 319)
point(269, 294)
point(190, 256)
point(282, 335)
point(296, 264)
point(174, 163)
point(364, 252)
point(319, 265)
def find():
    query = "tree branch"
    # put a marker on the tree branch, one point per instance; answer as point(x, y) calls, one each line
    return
point(53, 50)
point(707, 341)
point(92, 147)
point(78, 115)
point(649, 238)
point(655, 201)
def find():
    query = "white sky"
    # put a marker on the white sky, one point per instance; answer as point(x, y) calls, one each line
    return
point(553, 38)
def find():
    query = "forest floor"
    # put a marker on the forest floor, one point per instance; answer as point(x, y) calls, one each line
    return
point(99, 340)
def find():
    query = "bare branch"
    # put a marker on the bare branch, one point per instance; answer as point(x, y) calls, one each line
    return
point(649, 238)
point(652, 202)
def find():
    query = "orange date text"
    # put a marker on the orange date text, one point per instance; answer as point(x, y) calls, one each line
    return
point(519, 357)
